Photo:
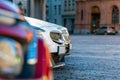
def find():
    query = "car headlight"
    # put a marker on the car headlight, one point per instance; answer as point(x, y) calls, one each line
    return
point(66, 38)
point(65, 35)
point(64, 32)
point(56, 37)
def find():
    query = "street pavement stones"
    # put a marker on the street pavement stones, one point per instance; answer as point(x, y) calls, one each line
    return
point(92, 58)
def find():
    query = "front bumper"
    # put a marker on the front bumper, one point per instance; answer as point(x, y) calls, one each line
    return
point(57, 60)
point(57, 56)
point(61, 50)
point(111, 33)
point(68, 48)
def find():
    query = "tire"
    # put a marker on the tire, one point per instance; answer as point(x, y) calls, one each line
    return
point(105, 33)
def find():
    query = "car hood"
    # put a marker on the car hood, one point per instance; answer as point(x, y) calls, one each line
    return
point(43, 24)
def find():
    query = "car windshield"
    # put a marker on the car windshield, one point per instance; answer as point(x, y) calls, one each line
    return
point(104, 27)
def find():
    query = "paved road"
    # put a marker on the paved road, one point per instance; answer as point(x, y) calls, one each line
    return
point(92, 58)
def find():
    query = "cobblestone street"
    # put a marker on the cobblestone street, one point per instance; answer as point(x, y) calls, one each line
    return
point(92, 58)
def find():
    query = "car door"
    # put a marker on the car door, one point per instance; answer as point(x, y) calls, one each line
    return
point(103, 30)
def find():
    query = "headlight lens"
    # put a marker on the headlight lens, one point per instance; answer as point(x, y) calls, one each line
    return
point(56, 37)
point(64, 31)
point(65, 35)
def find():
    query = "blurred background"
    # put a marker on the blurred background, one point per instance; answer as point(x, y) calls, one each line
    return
point(60, 12)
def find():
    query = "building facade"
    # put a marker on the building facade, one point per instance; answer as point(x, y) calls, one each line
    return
point(61, 12)
point(54, 11)
point(68, 14)
point(32, 8)
point(91, 14)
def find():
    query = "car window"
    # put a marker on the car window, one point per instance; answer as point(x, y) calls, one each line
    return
point(104, 27)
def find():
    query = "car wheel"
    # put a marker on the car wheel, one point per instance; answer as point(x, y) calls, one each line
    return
point(95, 33)
point(116, 32)
point(105, 33)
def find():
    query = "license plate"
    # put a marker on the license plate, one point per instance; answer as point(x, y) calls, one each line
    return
point(61, 50)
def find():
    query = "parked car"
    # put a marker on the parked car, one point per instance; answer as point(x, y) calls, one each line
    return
point(63, 30)
point(105, 30)
point(54, 39)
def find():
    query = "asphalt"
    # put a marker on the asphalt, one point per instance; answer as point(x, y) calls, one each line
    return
point(92, 58)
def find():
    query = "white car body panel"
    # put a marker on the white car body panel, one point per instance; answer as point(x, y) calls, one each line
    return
point(53, 47)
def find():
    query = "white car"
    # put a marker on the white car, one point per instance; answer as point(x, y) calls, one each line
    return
point(63, 30)
point(66, 37)
point(54, 39)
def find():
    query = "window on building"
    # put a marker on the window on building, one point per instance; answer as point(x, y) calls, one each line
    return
point(64, 22)
point(55, 9)
point(81, 14)
point(48, 20)
point(47, 10)
point(55, 20)
point(73, 5)
point(65, 5)
point(73, 2)
point(115, 15)
point(69, 5)
point(69, 2)
point(59, 9)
